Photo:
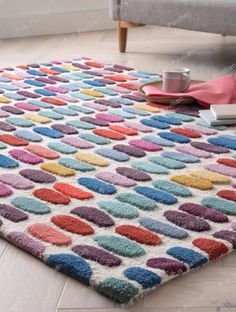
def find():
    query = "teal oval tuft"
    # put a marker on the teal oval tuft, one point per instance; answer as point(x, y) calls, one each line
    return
point(19, 122)
point(172, 188)
point(118, 209)
point(94, 138)
point(182, 117)
point(167, 162)
point(75, 164)
point(80, 124)
point(30, 205)
point(81, 109)
point(149, 167)
point(119, 245)
point(220, 205)
point(51, 115)
point(117, 289)
point(62, 147)
point(139, 201)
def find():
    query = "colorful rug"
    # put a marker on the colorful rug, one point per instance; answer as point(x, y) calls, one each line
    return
point(113, 191)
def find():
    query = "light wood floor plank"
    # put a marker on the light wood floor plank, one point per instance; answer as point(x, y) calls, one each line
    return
point(75, 295)
point(230, 260)
point(28, 285)
point(149, 48)
point(3, 246)
point(208, 286)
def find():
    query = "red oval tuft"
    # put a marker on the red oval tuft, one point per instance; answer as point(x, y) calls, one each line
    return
point(12, 140)
point(93, 64)
point(186, 132)
point(227, 162)
point(109, 134)
point(213, 248)
point(138, 234)
point(72, 224)
point(53, 101)
point(49, 71)
point(129, 86)
point(227, 194)
point(51, 196)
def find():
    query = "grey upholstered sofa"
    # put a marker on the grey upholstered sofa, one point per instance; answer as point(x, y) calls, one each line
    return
point(215, 16)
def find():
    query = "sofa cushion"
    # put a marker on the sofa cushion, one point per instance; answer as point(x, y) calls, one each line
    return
point(216, 16)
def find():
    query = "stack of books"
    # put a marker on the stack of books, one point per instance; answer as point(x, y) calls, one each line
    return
point(219, 114)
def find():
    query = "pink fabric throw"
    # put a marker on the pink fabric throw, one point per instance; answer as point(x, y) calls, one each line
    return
point(218, 91)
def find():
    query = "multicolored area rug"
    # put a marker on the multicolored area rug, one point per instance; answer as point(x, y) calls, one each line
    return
point(113, 191)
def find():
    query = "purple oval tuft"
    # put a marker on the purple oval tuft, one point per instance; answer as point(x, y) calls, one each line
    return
point(4, 126)
point(95, 121)
point(204, 212)
point(209, 147)
point(27, 243)
point(228, 236)
point(170, 266)
point(37, 176)
point(187, 221)
point(93, 215)
point(130, 150)
point(12, 213)
point(133, 174)
point(97, 254)
point(65, 129)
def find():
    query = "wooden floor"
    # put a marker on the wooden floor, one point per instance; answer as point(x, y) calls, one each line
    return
point(26, 284)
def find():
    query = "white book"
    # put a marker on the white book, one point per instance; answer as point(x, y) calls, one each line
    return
point(208, 116)
point(224, 111)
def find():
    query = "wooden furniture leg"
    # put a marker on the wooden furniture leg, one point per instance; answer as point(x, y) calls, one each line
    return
point(123, 31)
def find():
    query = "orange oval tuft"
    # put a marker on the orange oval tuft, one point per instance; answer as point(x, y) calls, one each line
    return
point(109, 134)
point(72, 191)
point(123, 130)
point(48, 234)
point(186, 132)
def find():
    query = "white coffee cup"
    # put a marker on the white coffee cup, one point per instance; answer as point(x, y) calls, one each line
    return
point(176, 79)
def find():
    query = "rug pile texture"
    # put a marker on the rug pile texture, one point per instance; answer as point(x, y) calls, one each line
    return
point(118, 193)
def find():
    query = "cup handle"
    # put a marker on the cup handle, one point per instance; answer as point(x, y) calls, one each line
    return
point(187, 81)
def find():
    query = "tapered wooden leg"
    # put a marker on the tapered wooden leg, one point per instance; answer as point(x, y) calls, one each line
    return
point(122, 33)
